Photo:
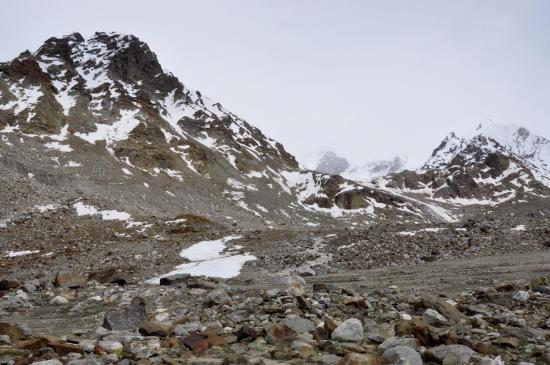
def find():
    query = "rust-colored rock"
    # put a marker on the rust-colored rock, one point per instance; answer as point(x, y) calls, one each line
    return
point(196, 342)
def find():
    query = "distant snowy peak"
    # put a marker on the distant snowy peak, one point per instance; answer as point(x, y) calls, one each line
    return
point(329, 162)
point(376, 169)
point(507, 139)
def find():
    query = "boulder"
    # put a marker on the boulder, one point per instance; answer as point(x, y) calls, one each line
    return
point(462, 352)
point(144, 348)
point(351, 330)
point(126, 319)
point(107, 276)
point(12, 330)
point(69, 279)
point(398, 341)
point(374, 331)
point(299, 324)
point(433, 317)
point(155, 328)
point(361, 359)
point(7, 284)
point(59, 300)
point(447, 310)
point(295, 285)
point(402, 355)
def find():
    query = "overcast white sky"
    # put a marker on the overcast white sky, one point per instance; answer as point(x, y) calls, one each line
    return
point(367, 79)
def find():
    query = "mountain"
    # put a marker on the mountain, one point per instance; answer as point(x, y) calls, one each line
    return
point(326, 162)
point(496, 164)
point(98, 122)
point(376, 169)
point(330, 163)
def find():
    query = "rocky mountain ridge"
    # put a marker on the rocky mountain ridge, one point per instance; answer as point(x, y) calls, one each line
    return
point(100, 119)
point(479, 170)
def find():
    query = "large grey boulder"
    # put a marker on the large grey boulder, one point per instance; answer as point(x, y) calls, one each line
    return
point(128, 318)
point(462, 352)
point(402, 355)
point(351, 330)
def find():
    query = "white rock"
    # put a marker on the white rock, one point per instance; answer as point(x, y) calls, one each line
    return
point(59, 300)
point(111, 346)
point(521, 296)
point(433, 317)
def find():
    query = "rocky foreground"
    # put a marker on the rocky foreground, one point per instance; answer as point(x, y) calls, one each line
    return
point(99, 319)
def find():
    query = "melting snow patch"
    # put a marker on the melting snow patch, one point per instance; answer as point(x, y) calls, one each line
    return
point(45, 208)
point(72, 164)
point(519, 228)
point(58, 146)
point(20, 253)
point(176, 221)
point(106, 215)
point(207, 259)
point(117, 131)
point(406, 233)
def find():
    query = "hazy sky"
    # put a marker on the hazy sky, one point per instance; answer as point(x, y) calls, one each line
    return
point(366, 79)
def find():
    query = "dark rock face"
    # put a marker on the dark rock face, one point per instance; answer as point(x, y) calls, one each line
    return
point(126, 319)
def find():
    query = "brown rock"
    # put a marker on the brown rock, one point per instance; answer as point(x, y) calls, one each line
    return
point(25, 361)
point(12, 330)
point(329, 324)
point(196, 342)
point(33, 344)
point(16, 353)
point(485, 348)
point(538, 282)
point(303, 304)
point(425, 334)
point(507, 341)
point(447, 310)
point(154, 328)
point(107, 276)
point(280, 332)
point(214, 340)
point(7, 284)
point(247, 332)
point(361, 359)
point(69, 279)
point(282, 354)
point(65, 348)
